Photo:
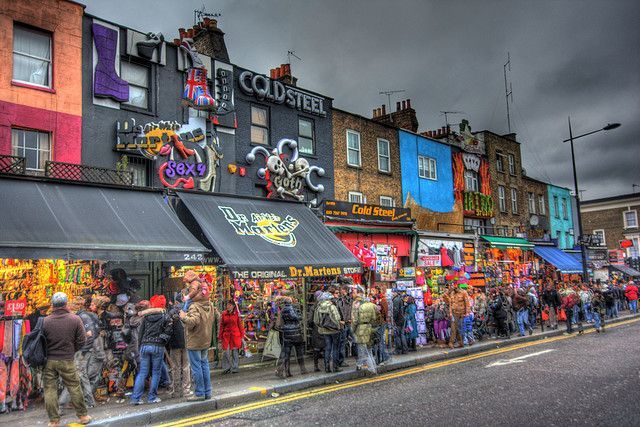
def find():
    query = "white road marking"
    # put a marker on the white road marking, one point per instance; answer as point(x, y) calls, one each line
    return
point(520, 359)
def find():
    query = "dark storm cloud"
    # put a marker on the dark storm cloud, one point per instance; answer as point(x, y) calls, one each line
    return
point(569, 58)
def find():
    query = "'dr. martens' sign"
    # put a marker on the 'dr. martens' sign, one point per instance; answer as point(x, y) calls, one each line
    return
point(263, 88)
point(296, 272)
point(360, 212)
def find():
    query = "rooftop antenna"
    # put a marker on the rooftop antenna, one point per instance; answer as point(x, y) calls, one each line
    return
point(508, 89)
point(389, 93)
point(198, 14)
point(291, 53)
point(446, 113)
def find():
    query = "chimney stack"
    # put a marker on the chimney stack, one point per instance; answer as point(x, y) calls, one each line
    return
point(408, 103)
point(208, 39)
point(384, 110)
point(404, 117)
point(397, 105)
point(404, 105)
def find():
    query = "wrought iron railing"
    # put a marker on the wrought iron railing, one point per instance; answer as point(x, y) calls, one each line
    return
point(13, 165)
point(73, 172)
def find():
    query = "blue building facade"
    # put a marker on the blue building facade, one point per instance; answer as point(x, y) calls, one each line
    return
point(561, 216)
point(427, 175)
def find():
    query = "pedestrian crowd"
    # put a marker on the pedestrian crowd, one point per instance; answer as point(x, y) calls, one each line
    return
point(168, 345)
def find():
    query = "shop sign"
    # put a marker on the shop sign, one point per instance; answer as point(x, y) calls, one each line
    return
point(429, 261)
point(616, 257)
point(469, 254)
point(407, 272)
point(266, 89)
point(268, 226)
point(296, 272)
point(477, 279)
point(361, 212)
point(597, 258)
point(15, 307)
point(451, 253)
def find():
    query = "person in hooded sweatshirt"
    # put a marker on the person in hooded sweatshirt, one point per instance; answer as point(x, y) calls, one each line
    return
point(155, 331)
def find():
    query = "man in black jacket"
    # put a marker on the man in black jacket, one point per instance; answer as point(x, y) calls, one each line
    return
point(180, 370)
point(344, 302)
point(551, 299)
point(155, 332)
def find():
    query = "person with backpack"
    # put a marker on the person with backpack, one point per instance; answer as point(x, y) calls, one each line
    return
point(585, 297)
point(64, 335)
point(365, 320)
point(155, 331)
point(327, 319)
point(289, 325)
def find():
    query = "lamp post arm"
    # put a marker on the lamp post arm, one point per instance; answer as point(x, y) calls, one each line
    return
point(584, 134)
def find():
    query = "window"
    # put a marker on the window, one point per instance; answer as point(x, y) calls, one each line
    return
point(600, 234)
point(631, 219)
point(427, 168)
point(556, 209)
point(34, 146)
point(565, 210)
point(142, 170)
point(31, 56)
point(473, 224)
point(306, 135)
point(470, 180)
point(353, 149)
point(384, 162)
point(356, 197)
point(512, 164)
point(138, 78)
point(569, 243)
point(500, 162)
point(514, 200)
point(532, 203)
point(502, 199)
point(541, 205)
point(559, 237)
point(387, 201)
point(259, 125)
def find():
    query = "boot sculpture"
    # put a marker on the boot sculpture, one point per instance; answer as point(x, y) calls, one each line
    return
point(106, 82)
point(196, 91)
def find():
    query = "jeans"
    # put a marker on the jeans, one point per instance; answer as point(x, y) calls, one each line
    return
point(331, 350)
point(400, 340)
point(633, 306)
point(65, 370)
point(468, 329)
point(586, 309)
point(165, 379)
point(199, 361)
point(150, 361)
point(597, 320)
point(576, 316)
point(523, 320)
point(380, 349)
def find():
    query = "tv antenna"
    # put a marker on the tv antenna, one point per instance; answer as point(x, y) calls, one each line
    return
point(198, 14)
point(291, 53)
point(446, 114)
point(508, 90)
point(389, 93)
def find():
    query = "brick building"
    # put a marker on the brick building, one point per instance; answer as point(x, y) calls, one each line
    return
point(615, 220)
point(536, 219)
point(505, 168)
point(366, 160)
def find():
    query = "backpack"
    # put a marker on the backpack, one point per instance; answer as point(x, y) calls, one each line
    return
point(34, 346)
point(328, 323)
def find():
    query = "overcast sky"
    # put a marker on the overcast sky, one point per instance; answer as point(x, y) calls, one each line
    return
point(568, 58)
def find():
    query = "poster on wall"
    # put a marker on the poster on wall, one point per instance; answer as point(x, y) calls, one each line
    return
point(451, 253)
point(386, 263)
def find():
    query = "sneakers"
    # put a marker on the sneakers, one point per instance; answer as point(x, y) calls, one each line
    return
point(85, 419)
point(195, 398)
point(136, 402)
point(156, 400)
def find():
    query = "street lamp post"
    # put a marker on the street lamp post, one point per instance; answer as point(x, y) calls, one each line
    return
point(585, 274)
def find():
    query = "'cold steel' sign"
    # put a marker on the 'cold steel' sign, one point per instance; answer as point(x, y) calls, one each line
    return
point(358, 211)
point(263, 88)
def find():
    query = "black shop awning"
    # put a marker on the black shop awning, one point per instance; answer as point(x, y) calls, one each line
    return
point(68, 221)
point(625, 269)
point(262, 238)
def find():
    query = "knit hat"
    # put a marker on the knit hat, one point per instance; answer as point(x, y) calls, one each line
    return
point(158, 301)
point(325, 296)
point(143, 305)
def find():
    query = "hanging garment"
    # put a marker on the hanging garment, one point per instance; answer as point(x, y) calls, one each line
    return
point(7, 346)
point(445, 259)
point(3, 381)
point(1, 336)
point(17, 337)
point(14, 379)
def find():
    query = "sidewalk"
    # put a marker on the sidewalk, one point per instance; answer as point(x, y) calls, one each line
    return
point(254, 382)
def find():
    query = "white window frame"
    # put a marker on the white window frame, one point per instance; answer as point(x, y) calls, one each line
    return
point(514, 200)
point(471, 181)
point(500, 162)
point(305, 137)
point(19, 148)
point(541, 205)
point(604, 239)
point(356, 194)
point(532, 202)
point(147, 89)
point(358, 150)
point(50, 60)
point(624, 218)
point(390, 202)
point(427, 168)
point(383, 156)
point(264, 127)
point(512, 164)
point(502, 197)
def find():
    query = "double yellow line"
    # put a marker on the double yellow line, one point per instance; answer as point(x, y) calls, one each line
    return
point(224, 413)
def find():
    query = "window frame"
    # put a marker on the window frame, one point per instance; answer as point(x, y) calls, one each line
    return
point(604, 239)
point(358, 150)
point(565, 208)
point(500, 162)
point(128, 106)
point(313, 136)
point(38, 151)
point(474, 178)
point(356, 193)
point(502, 198)
point(556, 207)
point(50, 86)
point(541, 205)
point(624, 218)
point(389, 198)
point(266, 127)
point(512, 164)
point(430, 172)
point(514, 200)
point(381, 156)
point(532, 202)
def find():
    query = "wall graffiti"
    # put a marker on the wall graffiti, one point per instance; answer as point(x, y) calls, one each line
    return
point(286, 180)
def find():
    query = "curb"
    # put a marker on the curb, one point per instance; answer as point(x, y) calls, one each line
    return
point(189, 409)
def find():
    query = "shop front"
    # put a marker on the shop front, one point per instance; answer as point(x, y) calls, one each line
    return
point(506, 260)
point(618, 269)
point(551, 262)
point(264, 249)
point(380, 237)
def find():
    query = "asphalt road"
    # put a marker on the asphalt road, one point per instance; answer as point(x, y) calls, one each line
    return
point(592, 379)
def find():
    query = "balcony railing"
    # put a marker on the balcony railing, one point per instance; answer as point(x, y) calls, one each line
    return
point(73, 172)
point(13, 165)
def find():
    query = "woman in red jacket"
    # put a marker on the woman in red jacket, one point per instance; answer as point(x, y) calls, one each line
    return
point(631, 292)
point(230, 337)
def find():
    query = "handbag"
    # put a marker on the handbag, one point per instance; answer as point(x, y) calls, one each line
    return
point(562, 315)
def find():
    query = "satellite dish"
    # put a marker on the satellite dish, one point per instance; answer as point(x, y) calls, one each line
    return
point(493, 221)
point(534, 220)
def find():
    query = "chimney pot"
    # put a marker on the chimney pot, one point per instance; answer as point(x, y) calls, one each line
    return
point(214, 23)
point(384, 110)
point(176, 42)
point(287, 69)
point(404, 105)
point(207, 21)
point(408, 103)
point(448, 129)
point(272, 73)
point(397, 105)
point(374, 113)
point(190, 33)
